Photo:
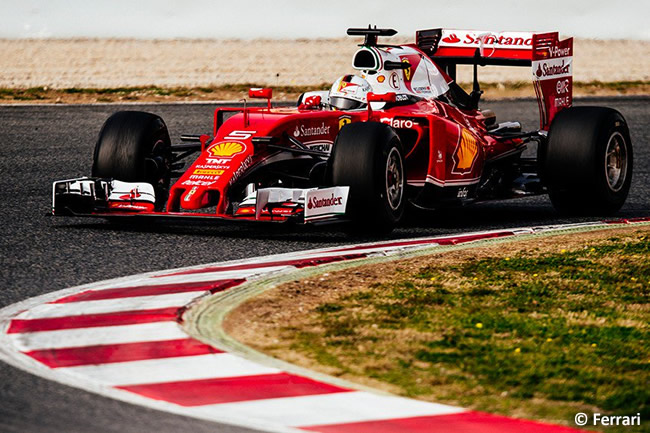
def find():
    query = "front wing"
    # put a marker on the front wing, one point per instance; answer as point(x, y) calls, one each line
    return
point(109, 198)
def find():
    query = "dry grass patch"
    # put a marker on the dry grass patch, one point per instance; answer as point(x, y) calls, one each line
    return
point(538, 330)
point(237, 92)
point(74, 95)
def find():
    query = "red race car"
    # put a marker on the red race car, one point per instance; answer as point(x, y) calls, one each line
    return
point(401, 133)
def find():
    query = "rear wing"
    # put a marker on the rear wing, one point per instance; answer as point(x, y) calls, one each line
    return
point(550, 59)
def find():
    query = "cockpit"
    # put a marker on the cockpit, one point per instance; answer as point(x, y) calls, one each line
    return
point(401, 70)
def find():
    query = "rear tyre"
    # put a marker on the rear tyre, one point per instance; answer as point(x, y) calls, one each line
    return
point(367, 157)
point(134, 146)
point(587, 161)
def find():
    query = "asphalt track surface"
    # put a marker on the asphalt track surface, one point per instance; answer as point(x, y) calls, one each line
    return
point(40, 254)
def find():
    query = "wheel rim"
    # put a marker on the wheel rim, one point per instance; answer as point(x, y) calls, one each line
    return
point(394, 179)
point(616, 162)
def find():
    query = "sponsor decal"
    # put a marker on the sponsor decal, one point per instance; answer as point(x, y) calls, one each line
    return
point(463, 38)
point(398, 123)
point(562, 101)
point(240, 135)
point(401, 98)
point(422, 89)
point(440, 157)
point(462, 192)
point(409, 74)
point(197, 183)
point(562, 87)
point(344, 120)
point(202, 177)
point(132, 195)
point(451, 39)
point(210, 172)
point(321, 146)
point(226, 149)
point(393, 80)
point(191, 192)
point(211, 166)
point(130, 206)
point(244, 165)
point(407, 71)
point(466, 152)
point(217, 161)
point(381, 78)
point(326, 202)
point(347, 87)
point(310, 131)
point(315, 203)
point(560, 52)
point(553, 68)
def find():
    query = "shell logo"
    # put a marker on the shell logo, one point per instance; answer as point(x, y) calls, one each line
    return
point(466, 153)
point(226, 148)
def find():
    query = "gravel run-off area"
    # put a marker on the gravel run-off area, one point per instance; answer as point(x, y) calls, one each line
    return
point(99, 63)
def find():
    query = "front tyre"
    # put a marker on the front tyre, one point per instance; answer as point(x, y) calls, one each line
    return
point(367, 157)
point(587, 166)
point(134, 146)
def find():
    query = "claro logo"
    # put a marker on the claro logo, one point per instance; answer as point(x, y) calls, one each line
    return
point(315, 203)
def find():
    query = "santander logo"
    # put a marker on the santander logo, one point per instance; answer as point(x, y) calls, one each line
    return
point(451, 39)
point(552, 69)
point(476, 38)
point(132, 195)
point(315, 203)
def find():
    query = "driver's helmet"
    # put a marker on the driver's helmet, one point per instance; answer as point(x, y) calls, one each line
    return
point(349, 93)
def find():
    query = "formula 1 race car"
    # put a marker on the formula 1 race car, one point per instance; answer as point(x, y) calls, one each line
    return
point(401, 134)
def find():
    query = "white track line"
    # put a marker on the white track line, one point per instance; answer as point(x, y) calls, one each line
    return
point(336, 408)
point(182, 368)
point(157, 331)
point(115, 305)
point(164, 278)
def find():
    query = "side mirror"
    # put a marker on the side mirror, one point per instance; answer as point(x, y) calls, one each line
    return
point(379, 97)
point(261, 93)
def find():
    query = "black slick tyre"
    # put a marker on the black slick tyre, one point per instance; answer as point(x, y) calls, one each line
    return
point(587, 161)
point(367, 157)
point(134, 146)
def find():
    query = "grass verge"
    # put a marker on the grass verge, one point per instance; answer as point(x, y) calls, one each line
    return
point(540, 332)
point(71, 95)
point(145, 94)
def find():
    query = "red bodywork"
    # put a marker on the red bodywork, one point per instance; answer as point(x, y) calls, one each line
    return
point(446, 148)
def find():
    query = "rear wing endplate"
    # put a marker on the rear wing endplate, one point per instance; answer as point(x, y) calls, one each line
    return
point(550, 58)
